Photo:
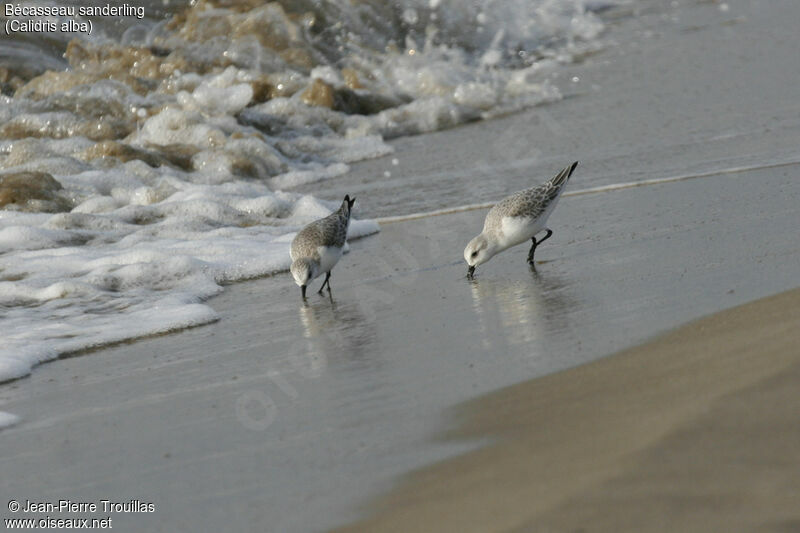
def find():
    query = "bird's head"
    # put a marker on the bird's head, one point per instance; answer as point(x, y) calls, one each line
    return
point(477, 252)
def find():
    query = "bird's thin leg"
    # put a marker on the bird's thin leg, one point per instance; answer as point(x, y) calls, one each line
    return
point(532, 250)
point(549, 234)
point(535, 244)
point(328, 281)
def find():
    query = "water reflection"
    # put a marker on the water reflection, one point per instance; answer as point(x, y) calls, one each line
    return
point(522, 311)
point(333, 329)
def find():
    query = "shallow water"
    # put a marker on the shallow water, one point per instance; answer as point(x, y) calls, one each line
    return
point(285, 417)
point(143, 162)
point(288, 417)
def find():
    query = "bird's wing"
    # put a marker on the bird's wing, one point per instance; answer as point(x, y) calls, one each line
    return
point(333, 230)
point(306, 241)
point(534, 201)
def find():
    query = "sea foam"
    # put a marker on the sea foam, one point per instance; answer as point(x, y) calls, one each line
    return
point(8, 419)
point(167, 157)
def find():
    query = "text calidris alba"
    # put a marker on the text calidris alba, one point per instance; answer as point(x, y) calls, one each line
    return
point(318, 247)
point(516, 219)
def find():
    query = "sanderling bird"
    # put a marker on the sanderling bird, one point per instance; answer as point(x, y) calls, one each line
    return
point(318, 247)
point(516, 219)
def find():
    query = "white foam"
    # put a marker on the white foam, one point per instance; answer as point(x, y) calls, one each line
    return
point(8, 419)
point(327, 74)
point(175, 126)
point(82, 279)
point(16, 238)
point(218, 95)
point(144, 247)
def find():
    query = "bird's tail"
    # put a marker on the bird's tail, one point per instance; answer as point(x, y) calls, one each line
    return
point(561, 178)
point(347, 205)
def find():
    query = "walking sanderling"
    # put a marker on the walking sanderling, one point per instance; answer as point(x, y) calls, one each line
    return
point(516, 219)
point(318, 247)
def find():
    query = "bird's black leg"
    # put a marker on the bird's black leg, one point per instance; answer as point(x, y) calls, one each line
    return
point(328, 281)
point(535, 244)
point(532, 250)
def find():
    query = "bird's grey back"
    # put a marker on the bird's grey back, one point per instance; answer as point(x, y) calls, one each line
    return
point(328, 231)
point(530, 203)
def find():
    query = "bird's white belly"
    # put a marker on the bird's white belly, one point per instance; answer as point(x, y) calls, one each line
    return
point(328, 257)
point(517, 230)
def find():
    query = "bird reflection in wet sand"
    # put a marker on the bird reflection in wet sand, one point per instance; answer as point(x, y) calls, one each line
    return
point(336, 330)
point(519, 312)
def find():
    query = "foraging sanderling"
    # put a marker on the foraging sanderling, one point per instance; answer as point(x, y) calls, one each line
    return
point(318, 247)
point(516, 219)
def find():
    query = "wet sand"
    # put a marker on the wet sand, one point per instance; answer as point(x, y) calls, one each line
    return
point(694, 431)
point(287, 418)
point(294, 416)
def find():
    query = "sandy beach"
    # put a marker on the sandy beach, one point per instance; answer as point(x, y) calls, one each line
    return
point(415, 400)
point(299, 416)
point(693, 431)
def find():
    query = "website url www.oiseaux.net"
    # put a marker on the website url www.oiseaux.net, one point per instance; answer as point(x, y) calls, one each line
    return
point(58, 523)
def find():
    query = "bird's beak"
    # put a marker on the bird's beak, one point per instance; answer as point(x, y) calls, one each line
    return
point(303, 291)
point(470, 271)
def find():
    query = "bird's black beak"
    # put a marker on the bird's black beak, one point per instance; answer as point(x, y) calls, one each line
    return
point(303, 291)
point(470, 271)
